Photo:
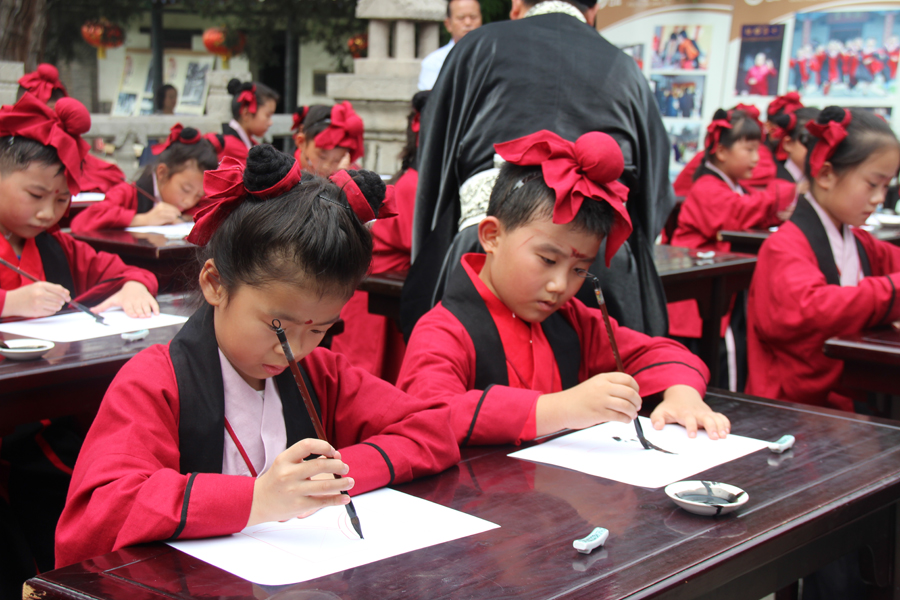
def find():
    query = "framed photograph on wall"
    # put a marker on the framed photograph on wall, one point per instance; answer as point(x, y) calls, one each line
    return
point(187, 71)
point(679, 95)
point(760, 57)
point(681, 48)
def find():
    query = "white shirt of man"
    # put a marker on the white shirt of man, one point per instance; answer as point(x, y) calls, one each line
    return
point(431, 66)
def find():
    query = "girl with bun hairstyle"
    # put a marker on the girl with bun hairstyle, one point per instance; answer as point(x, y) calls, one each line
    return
point(43, 83)
point(208, 434)
point(328, 138)
point(762, 173)
point(374, 342)
point(167, 191)
point(790, 137)
point(821, 275)
point(252, 108)
point(717, 202)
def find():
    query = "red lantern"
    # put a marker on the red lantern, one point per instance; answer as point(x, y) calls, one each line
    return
point(358, 44)
point(224, 42)
point(102, 34)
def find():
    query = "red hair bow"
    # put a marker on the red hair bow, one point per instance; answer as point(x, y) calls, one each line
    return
point(714, 132)
point(751, 111)
point(175, 135)
point(225, 191)
point(358, 202)
point(829, 135)
point(787, 103)
point(586, 169)
point(60, 128)
point(248, 98)
point(779, 133)
point(345, 131)
point(299, 117)
point(42, 81)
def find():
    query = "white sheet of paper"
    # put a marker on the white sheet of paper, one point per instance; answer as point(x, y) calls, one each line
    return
point(75, 327)
point(298, 550)
point(88, 197)
point(177, 231)
point(612, 451)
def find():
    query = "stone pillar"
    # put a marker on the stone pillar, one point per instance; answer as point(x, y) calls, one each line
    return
point(382, 86)
point(10, 73)
point(218, 102)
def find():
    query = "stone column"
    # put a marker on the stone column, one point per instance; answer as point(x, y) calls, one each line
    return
point(10, 73)
point(218, 102)
point(382, 86)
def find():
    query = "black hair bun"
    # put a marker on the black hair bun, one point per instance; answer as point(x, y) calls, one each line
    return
point(419, 100)
point(720, 114)
point(831, 113)
point(781, 119)
point(234, 86)
point(189, 133)
point(372, 186)
point(266, 166)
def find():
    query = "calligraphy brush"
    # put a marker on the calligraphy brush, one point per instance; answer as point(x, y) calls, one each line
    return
point(647, 444)
point(71, 303)
point(311, 409)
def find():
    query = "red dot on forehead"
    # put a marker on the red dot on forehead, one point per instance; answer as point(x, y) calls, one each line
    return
point(577, 254)
point(309, 322)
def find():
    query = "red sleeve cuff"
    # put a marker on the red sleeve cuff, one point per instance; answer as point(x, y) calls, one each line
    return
point(216, 504)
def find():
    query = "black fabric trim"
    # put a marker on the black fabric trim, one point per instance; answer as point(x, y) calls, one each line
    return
point(704, 170)
point(863, 258)
point(782, 173)
point(671, 362)
point(144, 200)
point(184, 507)
point(566, 348)
point(387, 460)
point(484, 394)
point(229, 130)
point(806, 218)
point(890, 306)
point(195, 359)
point(56, 265)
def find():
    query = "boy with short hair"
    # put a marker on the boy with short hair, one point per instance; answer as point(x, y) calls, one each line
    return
point(509, 347)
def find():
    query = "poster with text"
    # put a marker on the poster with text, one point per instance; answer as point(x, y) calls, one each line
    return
point(188, 72)
point(678, 95)
point(760, 58)
point(681, 47)
point(845, 54)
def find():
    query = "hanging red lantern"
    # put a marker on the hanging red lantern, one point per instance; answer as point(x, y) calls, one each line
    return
point(101, 34)
point(358, 44)
point(224, 42)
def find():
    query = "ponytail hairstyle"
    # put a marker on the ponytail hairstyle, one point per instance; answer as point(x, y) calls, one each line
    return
point(727, 129)
point(183, 146)
point(845, 138)
point(278, 223)
point(409, 154)
point(791, 125)
point(250, 95)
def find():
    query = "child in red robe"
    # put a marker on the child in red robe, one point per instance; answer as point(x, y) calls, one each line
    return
point(762, 173)
point(374, 342)
point(717, 202)
point(820, 275)
point(208, 434)
point(41, 157)
point(168, 190)
point(44, 84)
point(510, 348)
point(328, 138)
point(252, 108)
point(791, 137)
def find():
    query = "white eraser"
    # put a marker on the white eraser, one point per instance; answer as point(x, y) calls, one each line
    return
point(596, 538)
point(134, 336)
point(709, 254)
point(785, 443)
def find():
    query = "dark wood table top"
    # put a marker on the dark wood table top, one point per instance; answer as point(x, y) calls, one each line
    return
point(877, 346)
point(752, 239)
point(132, 244)
point(839, 483)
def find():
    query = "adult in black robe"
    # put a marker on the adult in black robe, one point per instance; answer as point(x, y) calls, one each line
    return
point(512, 78)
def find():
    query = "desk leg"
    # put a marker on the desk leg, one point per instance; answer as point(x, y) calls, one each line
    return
point(709, 341)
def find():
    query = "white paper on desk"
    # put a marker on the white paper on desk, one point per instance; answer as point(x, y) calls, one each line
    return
point(298, 550)
point(75, 327)
point(596, 451)
point(88, 197)
point(176, 231)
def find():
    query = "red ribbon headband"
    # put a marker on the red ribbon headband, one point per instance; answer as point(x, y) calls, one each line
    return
point(830, 135)
point(176, 134)
point(358, 202)
point(42, 82)
point(248, 98)
point(788, 103)
point(714, 133)
point(225, 191)
point(779, 133)
point(344, 131)
point(60, 128)
point(586, 169)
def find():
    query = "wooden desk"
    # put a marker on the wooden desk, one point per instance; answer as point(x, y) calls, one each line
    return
point(711, 282)
point(871, 362)
point(72, 377)
point(837, 490)
point(172, 261)
point(749, 241)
